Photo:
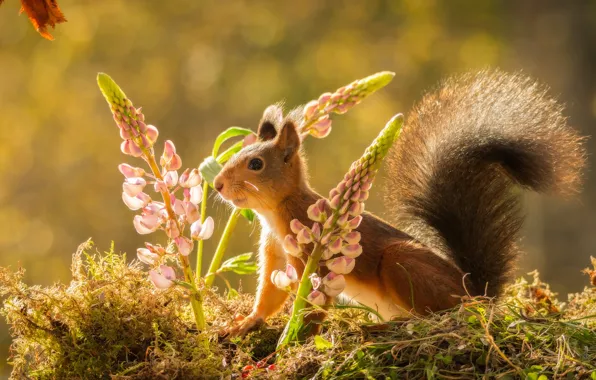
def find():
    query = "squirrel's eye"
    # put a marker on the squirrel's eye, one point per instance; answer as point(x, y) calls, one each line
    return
point(255, 164)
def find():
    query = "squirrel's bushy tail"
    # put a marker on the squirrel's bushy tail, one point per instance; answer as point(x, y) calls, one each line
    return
point(461, 149)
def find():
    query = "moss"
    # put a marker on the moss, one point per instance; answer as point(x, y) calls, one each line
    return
point(110, 322)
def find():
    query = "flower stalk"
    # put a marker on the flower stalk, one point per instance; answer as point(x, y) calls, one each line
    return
point(339, 216)
point(221, 247)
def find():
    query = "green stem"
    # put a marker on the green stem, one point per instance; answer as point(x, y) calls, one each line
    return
point(292, 331)
point(221, 247)
point(203, 217)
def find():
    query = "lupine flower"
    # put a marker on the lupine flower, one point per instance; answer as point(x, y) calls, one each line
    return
point(130, 171)
point(169, 159)
point(196, 194)
point(163, 280)
point(190, 178)
point(184, 244)
point(316, 121)
point(146, 224)
point(202, 231)
point(171, 178)
point(146, 256)
point(317, 298)
point(133, 186)
point(136, 202)
point(340, 216)
point(283, 279)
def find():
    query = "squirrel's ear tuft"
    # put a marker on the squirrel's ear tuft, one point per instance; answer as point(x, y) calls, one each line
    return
point(288, 140)
point(272, 116)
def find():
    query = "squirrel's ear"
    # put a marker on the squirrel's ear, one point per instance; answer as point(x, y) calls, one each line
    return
point(272, 116)
point(288, 140)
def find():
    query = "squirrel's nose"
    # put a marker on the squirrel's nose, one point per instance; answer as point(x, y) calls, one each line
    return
point(218, 184)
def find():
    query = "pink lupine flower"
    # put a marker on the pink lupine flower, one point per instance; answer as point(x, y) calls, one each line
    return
point(333, 284)
point(163, 280)
point(178, 206)
point(146, 256)
point(160, 186)
point(334, 245)
point(291, 246)
point(171, 178)
point(185, 245)
point(317, 298)
point(190, 178)
point(146, 224)
point(130, 171)
point(355, 222)
point(283, 279)
point(352, 250)
point(137, 202)
point(172, 229)
point(152, 134)
point(304, 236)
point(196, 194)
point(351, 237)
point(296, 226)
point(202, 231)
point(192, 212)
point(130, 148)
point(169, 159)
point(133, 186)
point(341, 265)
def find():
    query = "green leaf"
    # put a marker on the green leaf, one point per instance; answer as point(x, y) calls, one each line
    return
point(248, 214)
point(240, 264)
point(227, 134)
point(185, 284)
point(593, 375)
point(232, 294)
point(209, 169)
point(225, 156)
point(322, 344)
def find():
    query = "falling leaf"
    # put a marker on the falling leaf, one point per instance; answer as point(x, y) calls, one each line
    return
point(42, 13)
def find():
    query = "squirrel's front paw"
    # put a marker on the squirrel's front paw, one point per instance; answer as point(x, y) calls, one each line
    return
point(244, 325)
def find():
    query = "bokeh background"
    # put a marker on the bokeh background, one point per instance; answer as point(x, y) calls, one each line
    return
point(198, 67)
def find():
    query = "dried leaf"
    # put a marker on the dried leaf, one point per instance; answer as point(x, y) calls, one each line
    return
point(42, 13)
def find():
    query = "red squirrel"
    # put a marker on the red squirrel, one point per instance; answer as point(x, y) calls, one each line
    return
point(455, 217)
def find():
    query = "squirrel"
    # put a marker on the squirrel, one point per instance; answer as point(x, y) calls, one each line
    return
point(455, 217)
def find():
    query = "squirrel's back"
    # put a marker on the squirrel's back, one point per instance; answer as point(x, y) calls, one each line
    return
point(462, 148)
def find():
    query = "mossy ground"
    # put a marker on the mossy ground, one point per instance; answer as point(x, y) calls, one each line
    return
point(110, 322)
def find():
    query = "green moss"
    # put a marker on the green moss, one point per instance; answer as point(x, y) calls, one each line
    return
point(110, 322)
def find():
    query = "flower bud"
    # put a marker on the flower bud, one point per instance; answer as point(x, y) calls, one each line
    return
point(333, 193)
point(335, 245)
point(333, 284)
point(316, 298)
point(160, 186)
point(146, 256)
point(178, 206)
point(320, 131)
point(316, 231)
point(190, 178)
point(352, 250)
point(196, 194)
point(344, 207)
point(324, 98)
point(341, 265)
point(355, 223)
point(152, 134)
point(310, 109)
point(145, 224)
point(315, 213)
point(157, 249)
point(130, 171)
point(163, 280)
point(137, 202)
point(175, 163)
point(283, 279)
point(304, 236)
point(342, 221)
point(352, 237)
point(169, 150)
point(184, 244)
point(291, 246)
point(291, 273)
point(296, 226)
point(192, 212)
point(335, 202)
point(325, 239)
point(356, 209)
point(202, 231)
point(327, 254)
point(329, 222)
point(171, 178)
point(133, 186)
point(159, 281)
point(172, 229)
point(130, 148)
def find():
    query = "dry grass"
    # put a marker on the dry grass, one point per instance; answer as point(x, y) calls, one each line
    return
point(111, 323)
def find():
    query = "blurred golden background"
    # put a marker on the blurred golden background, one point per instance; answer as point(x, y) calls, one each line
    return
point(198, 67)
